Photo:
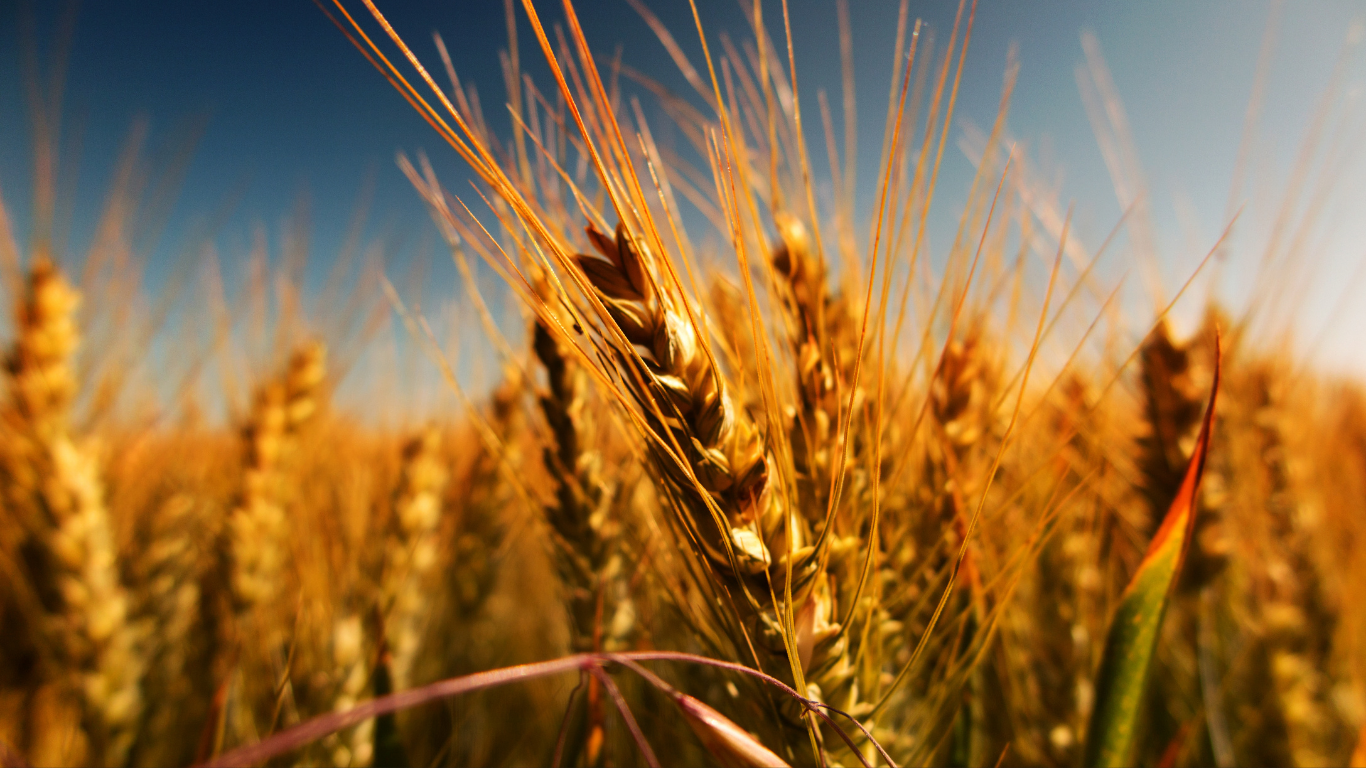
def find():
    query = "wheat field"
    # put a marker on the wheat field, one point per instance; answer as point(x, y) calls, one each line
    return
point(801, 490)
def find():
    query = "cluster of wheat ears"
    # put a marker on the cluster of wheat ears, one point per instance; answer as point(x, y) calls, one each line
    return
point(799, 496)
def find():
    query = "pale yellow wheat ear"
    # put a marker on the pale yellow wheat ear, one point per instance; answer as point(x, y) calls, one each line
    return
point(168, 596)
point(352, 665)
point(57, 524)
point(485, 501)
point(255, 571)
point(258, 525)
point(411, 550)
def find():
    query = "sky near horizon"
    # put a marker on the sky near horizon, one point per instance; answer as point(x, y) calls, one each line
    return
point(290, 112)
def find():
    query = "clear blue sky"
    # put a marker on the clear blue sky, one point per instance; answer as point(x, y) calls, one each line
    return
point(292, 109)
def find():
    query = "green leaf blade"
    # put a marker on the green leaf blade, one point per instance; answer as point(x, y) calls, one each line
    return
point(1131, 641)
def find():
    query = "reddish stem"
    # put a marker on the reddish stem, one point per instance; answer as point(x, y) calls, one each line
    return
point(304, 733)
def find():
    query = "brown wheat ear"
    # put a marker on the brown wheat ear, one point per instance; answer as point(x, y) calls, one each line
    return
point(710, 452)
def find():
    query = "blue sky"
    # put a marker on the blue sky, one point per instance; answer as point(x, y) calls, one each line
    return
point(292, 112)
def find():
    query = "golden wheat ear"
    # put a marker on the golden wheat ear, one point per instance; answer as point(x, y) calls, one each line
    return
point(53, 493)
point(411, 551)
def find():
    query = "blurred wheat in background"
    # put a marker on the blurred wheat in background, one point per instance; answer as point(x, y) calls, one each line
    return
point(790, 492)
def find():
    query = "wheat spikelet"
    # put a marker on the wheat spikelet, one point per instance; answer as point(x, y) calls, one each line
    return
point(487, 495)
point(961, 399)
point(841, 668)
point(1172, 406)
point(824, 339)
point(54, 492)
point(252, 637)
point(1173, 402)
point(258, 525)
point(1059, 611)
point(411, 551)
point(588, 540)
point(715, 468)
point(355, 746)
point(1295, 611)
point(961, 394)
point(723, 452)
point(478, 511)
point(169, 596)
